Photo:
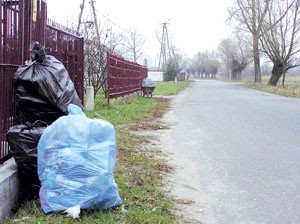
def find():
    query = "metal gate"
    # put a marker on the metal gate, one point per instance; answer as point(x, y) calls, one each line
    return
point(21, 23)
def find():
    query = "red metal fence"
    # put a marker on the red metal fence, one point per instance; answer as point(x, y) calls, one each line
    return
point(8, 114)
point(21, 23)
point(67, 46)
point(124, 77)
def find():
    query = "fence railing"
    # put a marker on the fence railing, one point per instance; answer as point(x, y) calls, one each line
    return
point(20, 25)
point(10, 23)
point(8, 114)
point(67, 46)
point(123, 77)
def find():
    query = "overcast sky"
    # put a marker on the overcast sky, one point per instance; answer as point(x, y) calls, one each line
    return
point(194, 25)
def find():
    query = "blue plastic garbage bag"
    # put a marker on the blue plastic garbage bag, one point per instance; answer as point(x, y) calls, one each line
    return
point(147, 82)
point(76, 160)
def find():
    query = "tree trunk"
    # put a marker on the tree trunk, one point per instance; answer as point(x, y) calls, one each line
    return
point(276, 73)
point(255, 42)
point(257, 72)
point(234, 75)
point(283, 79)
point(239, 75)
point(229, 74)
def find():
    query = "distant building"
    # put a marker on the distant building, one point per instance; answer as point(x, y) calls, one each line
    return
point(156, 75)
point(153, 73)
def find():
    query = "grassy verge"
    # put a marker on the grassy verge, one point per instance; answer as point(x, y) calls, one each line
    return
point(169, 88)
point(139, 171)
point(290, 89)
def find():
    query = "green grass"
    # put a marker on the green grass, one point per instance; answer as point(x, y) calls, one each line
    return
point(290, 89)
point(128, 113)
point(169, 88)
point(139, 170)
point(289, 79)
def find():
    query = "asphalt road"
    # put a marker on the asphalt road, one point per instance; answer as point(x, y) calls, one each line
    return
point(243, 150)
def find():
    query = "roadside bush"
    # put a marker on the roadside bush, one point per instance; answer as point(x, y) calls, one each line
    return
point(171, 70)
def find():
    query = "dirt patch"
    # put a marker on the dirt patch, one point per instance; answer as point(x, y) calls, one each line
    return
point(182, 182)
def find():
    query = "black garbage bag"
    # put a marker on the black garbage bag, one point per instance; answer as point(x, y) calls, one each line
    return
point(23, 141)
point(43, 87)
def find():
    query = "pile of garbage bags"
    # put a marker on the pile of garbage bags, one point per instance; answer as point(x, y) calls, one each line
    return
point(63, 157)
point(23, 140)
point(43, 88)
point(76, 159)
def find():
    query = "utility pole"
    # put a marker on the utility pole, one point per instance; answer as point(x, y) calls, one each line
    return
point(95, 22)
point(95, 19)
point(80, 15)
point(165, 52)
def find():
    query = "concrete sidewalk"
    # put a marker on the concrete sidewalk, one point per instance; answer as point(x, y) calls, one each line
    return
point(9, 188)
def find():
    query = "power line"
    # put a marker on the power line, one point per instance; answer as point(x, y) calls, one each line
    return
point(111, 21)
point(95, 12)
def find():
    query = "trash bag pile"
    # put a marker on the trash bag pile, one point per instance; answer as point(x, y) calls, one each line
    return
point(23, 141)
point(43, 90)
point(63, 157)
point(76, 160)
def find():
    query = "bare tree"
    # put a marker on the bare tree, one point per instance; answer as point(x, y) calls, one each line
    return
point(178, 57)
point(94, 61)
point(199, 61)
point(181, 62)
point(212, 67)
point(206, 64)
point(192, 67)
point(96, 45)
point(281, 43)
point(250, 14)
point(237, 54)
point(225, 56)
point(133, 43)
